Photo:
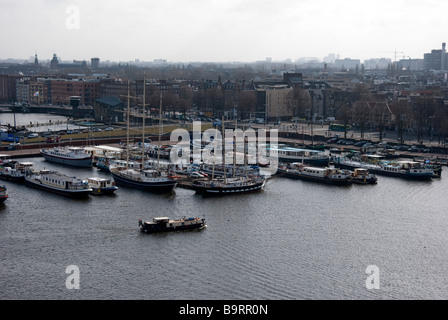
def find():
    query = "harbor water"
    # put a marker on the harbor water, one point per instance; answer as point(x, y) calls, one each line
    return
point(294, 240)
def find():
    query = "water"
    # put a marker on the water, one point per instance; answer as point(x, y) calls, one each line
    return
point(295, 240)
point(25, 119)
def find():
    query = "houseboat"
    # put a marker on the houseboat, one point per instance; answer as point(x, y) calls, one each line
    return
point(58, 183)
point(164, 224)
point(72, 156)
point(227, 186)
point(316, 174)
point(377, 165)
point(102, 185)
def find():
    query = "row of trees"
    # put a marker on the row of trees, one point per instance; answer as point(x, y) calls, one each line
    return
point(422, 116)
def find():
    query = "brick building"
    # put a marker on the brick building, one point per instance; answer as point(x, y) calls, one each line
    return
point(62, 90)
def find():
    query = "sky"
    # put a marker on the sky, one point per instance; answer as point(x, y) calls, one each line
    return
point(221, 30)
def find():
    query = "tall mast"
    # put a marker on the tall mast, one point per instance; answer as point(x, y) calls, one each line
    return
point(144, 115)
point(160, 145)
point(234, 151)
point(223, 147)
point(127, 133)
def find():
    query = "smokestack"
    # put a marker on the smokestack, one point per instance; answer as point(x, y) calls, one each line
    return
point(443, 66)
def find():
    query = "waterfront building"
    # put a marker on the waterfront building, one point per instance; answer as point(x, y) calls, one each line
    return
point(108, 110)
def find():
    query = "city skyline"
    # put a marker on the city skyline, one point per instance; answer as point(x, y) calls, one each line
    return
point(221, 31)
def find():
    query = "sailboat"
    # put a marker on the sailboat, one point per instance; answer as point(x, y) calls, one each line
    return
point(230, 185)
point(154, 180)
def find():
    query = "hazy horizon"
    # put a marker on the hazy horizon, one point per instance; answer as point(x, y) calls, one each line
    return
point(221, 31)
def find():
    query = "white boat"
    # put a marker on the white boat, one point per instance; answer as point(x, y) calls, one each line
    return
point(102, 185)
point(59, 183)
point(306, 156)
point(73, 156)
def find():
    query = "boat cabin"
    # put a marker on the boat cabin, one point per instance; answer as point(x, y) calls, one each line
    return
point(161, 220)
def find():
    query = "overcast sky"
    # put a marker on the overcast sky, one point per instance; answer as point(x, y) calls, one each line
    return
point(221, 30)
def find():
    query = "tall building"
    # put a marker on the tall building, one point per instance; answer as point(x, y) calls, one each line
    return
point(95, 63)
point(347, 63)
point(436, 60)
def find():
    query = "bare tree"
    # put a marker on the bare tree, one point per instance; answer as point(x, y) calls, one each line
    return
point(247, 103)
point(403, 115)
point(361, 115)
point(423, 107)
point(344, 114)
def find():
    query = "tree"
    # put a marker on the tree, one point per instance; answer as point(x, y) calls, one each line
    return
point(247, 103)
point(381, 114)
point(361, 115)
point(344, 114)
point(403, 115)
point(299, 101)
point(422, 108)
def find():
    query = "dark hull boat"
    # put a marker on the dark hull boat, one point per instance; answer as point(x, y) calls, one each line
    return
point(321, 175)
point(227, 186)
point(143, 180)
point(165, 224)
point(58, 183)
point(402, 169)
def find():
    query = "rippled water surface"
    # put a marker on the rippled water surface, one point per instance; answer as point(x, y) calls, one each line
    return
point(294, 240)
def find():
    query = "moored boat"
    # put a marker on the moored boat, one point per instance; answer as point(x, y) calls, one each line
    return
point(3, 194)
point(15, 171)
point(101, 185)
point(72, 156)
point(226, 186)
point(146, 180)
point(363, 176)
point(164, 224)
point(58, 183)
point(376, 165)
point(314, 174)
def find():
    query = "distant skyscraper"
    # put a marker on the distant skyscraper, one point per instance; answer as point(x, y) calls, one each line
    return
point(436, 60)
point(95, 63)
point(36, 61)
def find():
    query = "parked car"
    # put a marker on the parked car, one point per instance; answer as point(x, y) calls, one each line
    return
point(109, 129)
point(33, 136)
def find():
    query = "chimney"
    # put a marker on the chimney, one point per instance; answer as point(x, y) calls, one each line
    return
point(443, 66)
